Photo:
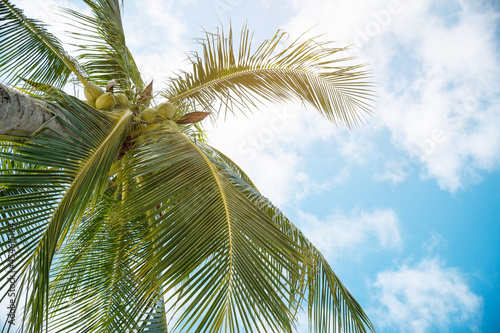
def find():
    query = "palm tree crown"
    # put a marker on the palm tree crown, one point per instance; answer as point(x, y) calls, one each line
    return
point(128, 220)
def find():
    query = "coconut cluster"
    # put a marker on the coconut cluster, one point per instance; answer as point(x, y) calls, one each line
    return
point(165, 111)
point(106, 100)
point(99, 99)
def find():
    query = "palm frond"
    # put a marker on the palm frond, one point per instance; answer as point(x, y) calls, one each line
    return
point(29, 51)
point(46, 205)
point(306, 70)
point(102, 46)
point(331, 307)
point(183, 232)
point(217, 257)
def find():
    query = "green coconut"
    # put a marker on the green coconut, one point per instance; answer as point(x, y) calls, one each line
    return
point(105, 101)
point(92, 92)
point(121, 100)
point(148, 114)
point(166, 110)
point(172, 124)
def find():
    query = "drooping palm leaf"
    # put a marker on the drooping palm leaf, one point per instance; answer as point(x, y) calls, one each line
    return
point(229, 255)
point(331, 307)
point(306, 70)
point(102, 44)
point(58, 197)
point(192, 234)
point(29, 51)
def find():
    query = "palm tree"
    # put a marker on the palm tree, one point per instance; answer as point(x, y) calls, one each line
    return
point(123, 223)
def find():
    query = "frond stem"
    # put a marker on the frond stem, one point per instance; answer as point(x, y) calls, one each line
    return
point(242, 73)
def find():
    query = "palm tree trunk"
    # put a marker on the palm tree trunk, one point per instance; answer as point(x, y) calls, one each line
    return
point(22, 113)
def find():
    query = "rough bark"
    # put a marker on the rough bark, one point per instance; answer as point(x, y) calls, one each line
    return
point(23, 113)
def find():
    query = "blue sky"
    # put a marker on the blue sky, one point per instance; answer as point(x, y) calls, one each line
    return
point(406, 207)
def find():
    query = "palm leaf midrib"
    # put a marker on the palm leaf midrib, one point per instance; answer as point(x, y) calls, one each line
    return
point(256, 71)
point(214, 173)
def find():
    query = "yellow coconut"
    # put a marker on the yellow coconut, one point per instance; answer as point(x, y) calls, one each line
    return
point(105, 101)
point(172, 124)
point(121, 100)
point(92, 92)
point(166, 109)
point(148, 114)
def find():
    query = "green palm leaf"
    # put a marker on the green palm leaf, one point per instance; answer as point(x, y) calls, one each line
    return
point(55, 199)
point(29, 51)
point(306, 70)
point(229, 257)
point(102, 44)
point(331, 307)
point(182, 229)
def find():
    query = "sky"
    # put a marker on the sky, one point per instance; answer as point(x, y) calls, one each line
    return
point(406, 206)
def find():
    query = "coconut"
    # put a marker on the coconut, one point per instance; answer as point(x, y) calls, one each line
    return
point(121, 100)
point(166, 110)
point(92, 92)
point(172, 124)
point(105, 101)
point(148, 114)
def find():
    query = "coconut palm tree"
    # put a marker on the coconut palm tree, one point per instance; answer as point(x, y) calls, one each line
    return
point(113, 220)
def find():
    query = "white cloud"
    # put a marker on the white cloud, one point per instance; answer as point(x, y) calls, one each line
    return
point(158, 19)
point(444, 91)
point(426, 295)
point(343, 175)
point(49, 12)
point(356, 145)
point(435, 242)
point(156, 35)
point(278, 175)
point(437, 66)
point(339, 234)
point(269, 144)
point(396, 171)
